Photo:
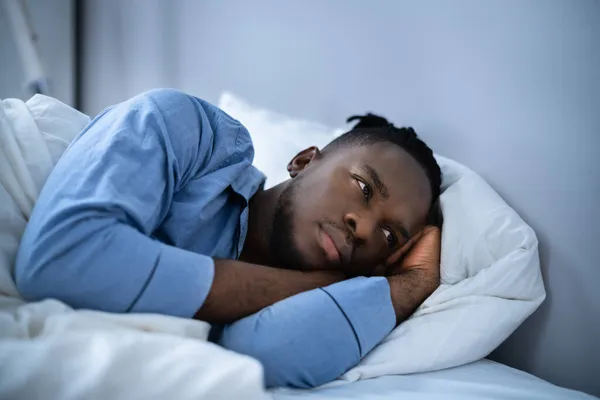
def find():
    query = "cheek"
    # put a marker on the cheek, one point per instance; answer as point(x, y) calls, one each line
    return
point(320, 197)
point(325, 194)
point(340, 193)
point(372, 256)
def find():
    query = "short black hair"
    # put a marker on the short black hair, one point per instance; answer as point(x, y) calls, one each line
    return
point(372, 129)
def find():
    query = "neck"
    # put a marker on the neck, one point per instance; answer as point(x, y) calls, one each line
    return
point(260, 226)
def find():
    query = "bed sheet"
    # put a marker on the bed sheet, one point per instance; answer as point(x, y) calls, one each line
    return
point(479, 380)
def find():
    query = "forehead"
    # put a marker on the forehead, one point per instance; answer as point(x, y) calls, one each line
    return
point(404, 178)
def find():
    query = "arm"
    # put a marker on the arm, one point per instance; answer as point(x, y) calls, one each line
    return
point(89, 243)
point(240, 289)
point(314, 337)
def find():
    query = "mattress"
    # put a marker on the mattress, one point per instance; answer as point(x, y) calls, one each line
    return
point(479, 380)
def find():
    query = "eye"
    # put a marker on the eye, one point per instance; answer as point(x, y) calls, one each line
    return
point(392, 240)
point(366, 189)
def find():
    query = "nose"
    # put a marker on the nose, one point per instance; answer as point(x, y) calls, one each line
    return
point(361, 227)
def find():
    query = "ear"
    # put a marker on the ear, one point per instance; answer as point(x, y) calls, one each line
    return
point(302, 159)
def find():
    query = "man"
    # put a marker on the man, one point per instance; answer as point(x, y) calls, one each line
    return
point(155, 207)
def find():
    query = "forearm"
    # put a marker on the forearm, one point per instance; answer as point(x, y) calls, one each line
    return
point(409, 290)
point(112, 267)
point(240, 289)
point(314, 337)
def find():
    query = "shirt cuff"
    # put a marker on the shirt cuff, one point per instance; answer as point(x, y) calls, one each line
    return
point(178, 284)
point(367, 305)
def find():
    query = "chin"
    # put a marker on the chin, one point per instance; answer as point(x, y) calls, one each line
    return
point(309, 268)
point(290, 256)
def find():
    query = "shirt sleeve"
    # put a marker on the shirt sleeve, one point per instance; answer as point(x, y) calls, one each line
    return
point(314, 337)
point(89, 240)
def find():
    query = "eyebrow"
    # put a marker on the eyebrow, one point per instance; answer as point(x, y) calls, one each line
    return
point(383, 192)
point(379, 185)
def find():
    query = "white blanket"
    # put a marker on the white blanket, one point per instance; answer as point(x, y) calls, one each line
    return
point(48, 350)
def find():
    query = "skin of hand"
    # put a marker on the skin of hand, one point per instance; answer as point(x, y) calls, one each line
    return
point(416, 276)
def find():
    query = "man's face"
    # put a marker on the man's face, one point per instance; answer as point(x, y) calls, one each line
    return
point(353, 209)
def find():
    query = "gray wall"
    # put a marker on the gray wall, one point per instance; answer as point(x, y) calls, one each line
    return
point(510, 88)
point(53, 22)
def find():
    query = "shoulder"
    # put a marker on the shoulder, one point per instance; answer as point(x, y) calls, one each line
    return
point(169, 103)
point(224, 137)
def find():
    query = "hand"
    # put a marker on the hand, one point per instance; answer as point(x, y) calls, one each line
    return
point(424, 255)
point(416, 277)
point(424, 248)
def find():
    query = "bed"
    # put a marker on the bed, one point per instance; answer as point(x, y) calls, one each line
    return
point(479, 380)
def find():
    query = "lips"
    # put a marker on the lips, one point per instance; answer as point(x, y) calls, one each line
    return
point(328, 245)
point(335, 245)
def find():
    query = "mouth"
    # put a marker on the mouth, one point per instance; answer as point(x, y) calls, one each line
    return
point(329, 247)
point(335, 244)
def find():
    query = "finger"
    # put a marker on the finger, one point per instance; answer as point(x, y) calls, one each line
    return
point(430, 239)
point(426, 250)
point(401, 252)
point(430, 229)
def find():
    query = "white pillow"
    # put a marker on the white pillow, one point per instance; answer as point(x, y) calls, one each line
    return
point(273, 131)
point(490, 272)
